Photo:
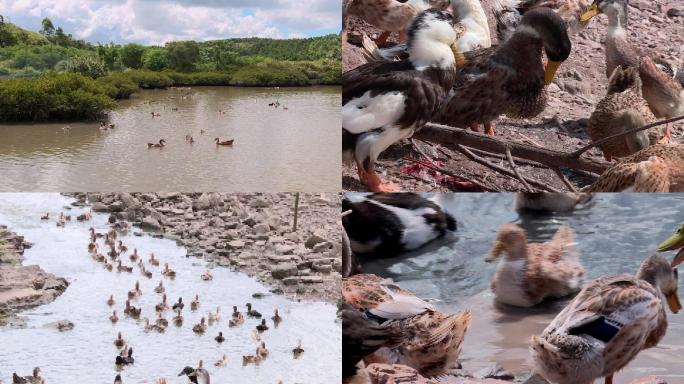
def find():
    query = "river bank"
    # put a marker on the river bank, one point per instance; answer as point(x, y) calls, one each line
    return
point(250, 233)
point(22, 287)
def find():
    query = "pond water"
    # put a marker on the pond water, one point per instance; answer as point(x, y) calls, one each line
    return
point(297, 149)
point(86, 354)
point(613, 236)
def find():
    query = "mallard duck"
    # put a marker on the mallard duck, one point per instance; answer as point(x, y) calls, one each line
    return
point(298, 350)
point(135, 292)
point(178, 319)
point(195, 303)
point(153, 327)
point(262, 351)
point(206, 276)
point(550, 202)
point(160, 288)
point(35, 378)
point(110, 301)
point(198, 376)
point(509, 79)
point(529, 273)
point(225, 143)
point(664, 95)
point(222, 362)
point(168, 272)
point(220, 338)
point(160, 145)
point(384, 102)
point(125, 360)
point(152, 260)
point(387, 224)
point(674, 242)
point(276, 318)
point(658, 168)
point(623, 108)
point(262, 327)
point(114, 318)
point(163, 306)
point(131, 310)
point(119, 342)
point(391, 15)
point(179, 304)
point(362, 337)
point(161, 321)
point(610, 321)
point(201, 327)
point(252, 312)
point(433, 339)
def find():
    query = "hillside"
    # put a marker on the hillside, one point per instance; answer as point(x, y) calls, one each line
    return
point(11, 34)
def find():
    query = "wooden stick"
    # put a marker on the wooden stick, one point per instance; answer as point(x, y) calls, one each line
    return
point(515, 170)
point(448, 173)
point(565, 180)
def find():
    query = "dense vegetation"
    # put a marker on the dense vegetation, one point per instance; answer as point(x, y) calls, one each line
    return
point(51, 75)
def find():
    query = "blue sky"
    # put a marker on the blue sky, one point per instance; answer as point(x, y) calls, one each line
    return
point(157, 21)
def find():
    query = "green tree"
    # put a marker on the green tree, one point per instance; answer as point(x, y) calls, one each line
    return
point(109, 54)
point(89, 66)
point(155, 59)
point(7, 38)
point(132, 55)
point(48, 29)
point(182, 54)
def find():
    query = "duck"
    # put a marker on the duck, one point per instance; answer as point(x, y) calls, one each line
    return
point(92, 247)
point(658, 168)
point(161, 321)
point(125, 360)
point(298, 350)
point(276, 318)
point(119, 342)
point(145, 272)
point(85, 216)
point(261, 351)
point(152, 260)
point(252, 312)
point(117, 379)
point(122, 248)
point(206, 276)
point(114, 318)
point(509, 79)
point(250, 359)
point(195, 303)
point(220, 338)
point(178, 319)
point(215, 316)
point(110, 301)
point(160, 145)
point(551, 202)
point(674, 242)
point(222, 362)
point(508, 13)
point(623, 108)
point(179, 304)
point(168, 272)
point(225, 143)
point(163, 306)
point(607, 324)
point(153, 327)
point(387, 224)
point(237, 320)
point(135, 292)
point(160, 288)
point(262, 327)
point(201, 327)
point(46, 217)
point(122, 268)
point(198, 376)
point(530, 273)
point(131, 310)
point(361, 337)
point(433, 339)
point(108, 266)
point(35, 378)
point(664, 95)
point(134, 256)
point(391, 15)
point(384, 102)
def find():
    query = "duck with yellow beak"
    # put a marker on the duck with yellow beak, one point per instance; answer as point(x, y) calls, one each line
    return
point(608, 323)
point(674, 242)
point(509, 79)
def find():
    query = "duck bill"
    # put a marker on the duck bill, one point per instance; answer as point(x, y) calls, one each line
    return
point(675, 241)
point(495, 251)
point(458, 56)
point(590, 13)
point(673, 302)
point(550, 71)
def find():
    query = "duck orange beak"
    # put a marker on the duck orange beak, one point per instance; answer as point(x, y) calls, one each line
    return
point(673, 302)
point(458, 56)
point(590, 13)
point(550, 71)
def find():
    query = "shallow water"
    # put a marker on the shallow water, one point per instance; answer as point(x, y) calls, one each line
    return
point(275, 150)
point(86, 354)
point(613, 236)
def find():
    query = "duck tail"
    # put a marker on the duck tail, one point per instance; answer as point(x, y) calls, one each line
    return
point(456, 324)
point(623, 79)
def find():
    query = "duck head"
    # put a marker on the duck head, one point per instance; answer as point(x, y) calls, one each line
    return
point(511, 239)
point(615, 10)
point(664, 277)
point(544, 23)
point(674, 242)
point(431, 40)
point(190, 372)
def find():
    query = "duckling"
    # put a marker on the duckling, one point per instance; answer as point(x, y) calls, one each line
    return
point(179, 304)
point(114, 318)
point(152, 260)
point(201, 327)
point(160, 288)
point(532, 272)
point(261, 351)
point(198, 376)
point(110, 301)
point(153, 327)
point(387, 224)
point(262, 327)
point(226, 143)
point(607, 325)
point(122, 268)
point(298, 350)
point(134, 256)
point(119, 342)
point(195, 303)
point(168, 272)
point(276, 318)
point(178, 319)
point(163, 306)
point(136, 292)
point(222, 362)
point(125, 360)
point(206, 276)
point(252, 312)
point(161, 321)
point(161, 144)
point(220, 338)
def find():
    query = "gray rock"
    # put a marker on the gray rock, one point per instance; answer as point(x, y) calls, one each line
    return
point(150, 224)
point(236, 244)
point(99, 207)
point(283, 270)
point(261, 228)
point(128, 201)
point(313, 240)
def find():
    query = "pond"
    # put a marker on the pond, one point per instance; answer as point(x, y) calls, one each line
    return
point(275, 149)
point(613, 237)
point(86, 353)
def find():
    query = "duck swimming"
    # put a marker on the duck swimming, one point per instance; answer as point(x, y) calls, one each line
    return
point(152, 260)
point(220, 338)
point(252, 312)
point(224, 143)
point(163, 306)
point(160, 145)
point(201, 327)
point(35, 378)
point(178, 319)
point(119, 342)
point(136, 292)
point(179, 305)
point(276, 318)
point(153, 327)
point(261, 351)
point(262, 327)
point(195, 303)
point(298, 350)
point(222, 362)
point(237, 319)
point(110, 301)
point(114, 318)
point(168, 272)
point(197, 376)
point(160, 288)
point(125, 360)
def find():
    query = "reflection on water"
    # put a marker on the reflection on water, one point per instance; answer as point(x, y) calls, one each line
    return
point(613, 237)
point(275, 149)
point(86, 354)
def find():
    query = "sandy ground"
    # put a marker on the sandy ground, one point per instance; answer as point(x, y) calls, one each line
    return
point(655, 26)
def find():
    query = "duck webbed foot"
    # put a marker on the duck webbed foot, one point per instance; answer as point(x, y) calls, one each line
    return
point(667, 135)
point(489, 128)
point(375, 183)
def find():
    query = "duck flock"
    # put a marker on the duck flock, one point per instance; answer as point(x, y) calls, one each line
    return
point(109, 249)
point(448, 72)
point(396, 334)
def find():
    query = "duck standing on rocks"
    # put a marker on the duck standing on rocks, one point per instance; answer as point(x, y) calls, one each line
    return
point(384, 102)
point(529, 273)
point(386, 224)
point(198, 376)
point(608, 323)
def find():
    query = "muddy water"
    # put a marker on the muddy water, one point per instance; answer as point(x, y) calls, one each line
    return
point(614, 236)
point(86, 354)
point(297, 149)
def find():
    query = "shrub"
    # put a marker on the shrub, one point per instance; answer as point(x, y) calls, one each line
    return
point(118, 85)
point(149, 79)
point(90, 66)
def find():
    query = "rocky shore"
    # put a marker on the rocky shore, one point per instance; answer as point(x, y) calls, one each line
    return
point(22, 287)
point(251, 233)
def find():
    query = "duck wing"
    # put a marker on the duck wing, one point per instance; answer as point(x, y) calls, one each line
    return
point(382, 298)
